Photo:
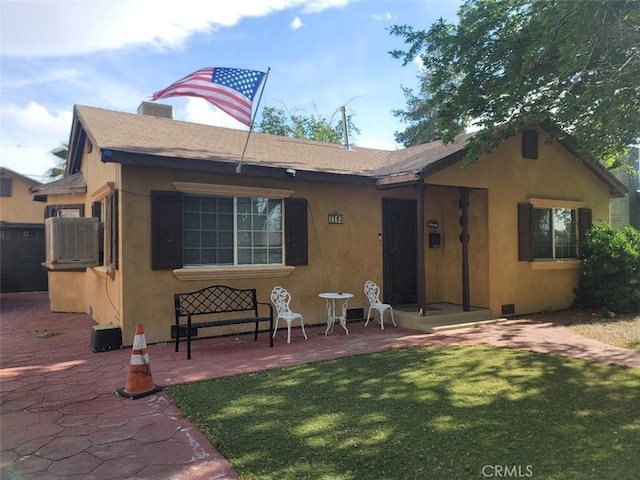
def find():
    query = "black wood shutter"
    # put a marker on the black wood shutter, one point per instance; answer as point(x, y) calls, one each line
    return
point(115, 234)
point(166, 230)
point(525, 232)
point(585, 222)
point(96, 212)
point(295, 229)
point(530, 144)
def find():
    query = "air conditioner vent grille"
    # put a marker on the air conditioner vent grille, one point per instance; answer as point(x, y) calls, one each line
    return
point(71, 242)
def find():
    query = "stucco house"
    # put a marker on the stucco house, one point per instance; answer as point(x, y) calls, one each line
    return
point(22, 248)
point(181, 208)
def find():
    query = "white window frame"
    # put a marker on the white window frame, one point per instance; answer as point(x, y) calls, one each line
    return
point(556, 263)
point(224, 272)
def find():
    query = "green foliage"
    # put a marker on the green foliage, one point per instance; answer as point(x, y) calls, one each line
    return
point(421, 117)
point(509, 64)
point(277, 122)
point(423, 413)
point(61, 154)
point(610, 277)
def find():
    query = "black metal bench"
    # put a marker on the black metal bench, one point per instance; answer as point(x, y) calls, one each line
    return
point(216, 301)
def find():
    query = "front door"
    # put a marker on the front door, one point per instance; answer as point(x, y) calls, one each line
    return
point(399, 251)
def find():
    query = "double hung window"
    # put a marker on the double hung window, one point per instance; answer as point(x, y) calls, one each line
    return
point(227, 228)
point(555, 233)
point(232, 230)
point(551, 229)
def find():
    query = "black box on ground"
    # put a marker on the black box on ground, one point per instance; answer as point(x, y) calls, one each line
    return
point(105, 337)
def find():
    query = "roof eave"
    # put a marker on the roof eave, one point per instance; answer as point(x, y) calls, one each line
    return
point(617, 189)
point(221, 166)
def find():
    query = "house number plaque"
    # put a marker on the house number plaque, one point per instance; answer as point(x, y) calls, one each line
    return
point(432, 224)
point(336, 218)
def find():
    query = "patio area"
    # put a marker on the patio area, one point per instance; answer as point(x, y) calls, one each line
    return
point(61, 418)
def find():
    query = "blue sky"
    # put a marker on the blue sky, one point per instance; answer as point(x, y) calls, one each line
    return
point(114, 54)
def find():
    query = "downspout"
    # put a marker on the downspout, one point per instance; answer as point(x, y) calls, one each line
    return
point(420, 254)
point(464, 239)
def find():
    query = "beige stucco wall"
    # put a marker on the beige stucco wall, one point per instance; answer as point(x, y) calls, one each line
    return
point(343, 257)
point(444, 264)
point(19, 207)
point(91, 291)
point(509, 180)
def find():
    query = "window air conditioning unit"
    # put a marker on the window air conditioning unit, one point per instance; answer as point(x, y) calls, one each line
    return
point(71, 242)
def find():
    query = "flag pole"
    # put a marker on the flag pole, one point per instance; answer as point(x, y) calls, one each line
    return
point(264, 83)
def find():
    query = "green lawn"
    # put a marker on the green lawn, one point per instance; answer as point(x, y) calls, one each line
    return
point(425, 413)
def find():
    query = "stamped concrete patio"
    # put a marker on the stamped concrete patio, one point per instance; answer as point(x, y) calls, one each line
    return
point(61, 419)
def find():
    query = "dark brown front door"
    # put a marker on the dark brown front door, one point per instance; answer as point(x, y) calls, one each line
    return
point(399, 250)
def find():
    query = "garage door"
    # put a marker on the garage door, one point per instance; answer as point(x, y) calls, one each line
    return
point(22, 251)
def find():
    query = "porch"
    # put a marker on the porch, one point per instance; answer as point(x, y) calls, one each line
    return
point(442, 316)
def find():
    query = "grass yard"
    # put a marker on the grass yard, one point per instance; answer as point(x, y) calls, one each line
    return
point(425, 413)
point(621, 331)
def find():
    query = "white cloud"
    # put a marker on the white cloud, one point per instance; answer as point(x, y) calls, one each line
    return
point(296, 23)
point(379, 17)
point(52, 28)
point(317, 6)
point(37, 120)
point(29, 134)
point(54, 75)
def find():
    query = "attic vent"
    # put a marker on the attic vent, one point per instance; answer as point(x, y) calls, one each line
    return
point(155, 110)
point(71, 242)
point(530, 144)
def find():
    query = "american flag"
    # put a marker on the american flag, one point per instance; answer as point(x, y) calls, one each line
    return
point(230, 89)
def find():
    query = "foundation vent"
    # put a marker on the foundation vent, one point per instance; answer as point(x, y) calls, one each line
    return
point(508, 309)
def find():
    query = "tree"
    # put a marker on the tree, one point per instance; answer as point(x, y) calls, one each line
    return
point(421, 115)
point(61, 153)
point(510, 64)
point(610, 276)
point(322, 129)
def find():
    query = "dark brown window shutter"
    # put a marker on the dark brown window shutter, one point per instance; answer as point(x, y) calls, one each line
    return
point(49, 211)
point(115, 234)
point(166, 230)
point(5, 187)
point(525, 232)
point(295, 229)
point(585, 222)
point(96, 212)
point(530, 144)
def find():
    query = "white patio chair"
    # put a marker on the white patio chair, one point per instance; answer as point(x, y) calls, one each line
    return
point(281, 298)
point(372, 291)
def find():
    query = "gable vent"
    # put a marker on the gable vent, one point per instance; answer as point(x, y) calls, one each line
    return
point(530, 144)
point(71, 242)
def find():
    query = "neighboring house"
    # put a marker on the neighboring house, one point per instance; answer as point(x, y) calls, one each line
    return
point(22, 247)
point(181, 209)
point(626, 211)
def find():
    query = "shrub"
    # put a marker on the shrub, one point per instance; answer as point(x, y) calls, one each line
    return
point(610, 277)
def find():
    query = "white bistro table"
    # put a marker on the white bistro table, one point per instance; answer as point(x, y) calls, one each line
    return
point(333, 314)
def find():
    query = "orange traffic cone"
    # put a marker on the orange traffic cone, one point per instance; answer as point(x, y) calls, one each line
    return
point(139, 381)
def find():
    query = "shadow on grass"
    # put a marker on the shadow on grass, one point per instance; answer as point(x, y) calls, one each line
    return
point(425, 412)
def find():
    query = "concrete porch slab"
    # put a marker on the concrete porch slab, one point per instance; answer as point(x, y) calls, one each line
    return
point(444, 316)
